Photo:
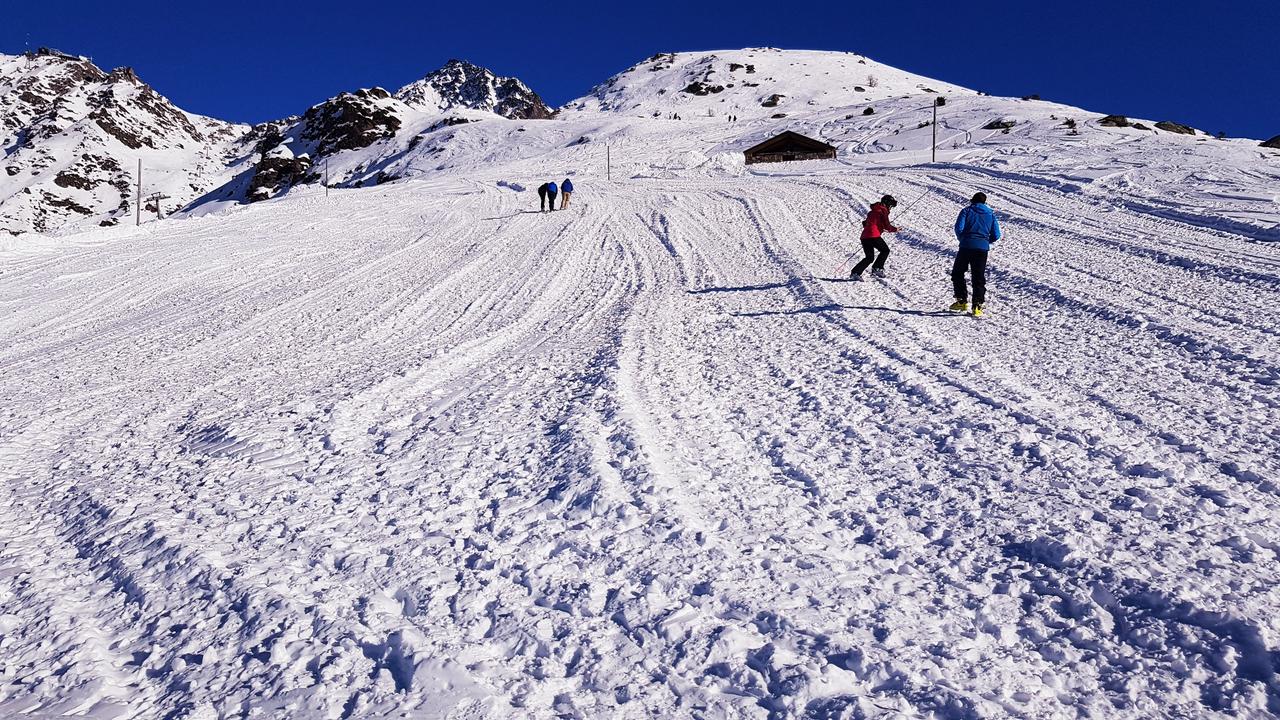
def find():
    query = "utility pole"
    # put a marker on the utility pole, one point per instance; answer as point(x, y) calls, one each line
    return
point(935, 132)
point(608, 164)
point(936, 103)
point(326, 177)
point(137, 205)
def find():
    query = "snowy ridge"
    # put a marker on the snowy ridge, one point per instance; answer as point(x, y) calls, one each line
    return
point(753, 83)
point(72, 135)
point(460, 84)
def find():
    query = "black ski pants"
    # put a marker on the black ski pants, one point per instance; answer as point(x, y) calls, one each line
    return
point(542, 199)
point(552, 196)
point(870, 246)
point(975, 262)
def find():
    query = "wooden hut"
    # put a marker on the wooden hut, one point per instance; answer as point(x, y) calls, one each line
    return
point(787, 146)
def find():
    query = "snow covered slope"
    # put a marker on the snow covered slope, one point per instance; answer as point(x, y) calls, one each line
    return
point(371, 136)
point(72, 135)
point(753, 83)
point(417, 450)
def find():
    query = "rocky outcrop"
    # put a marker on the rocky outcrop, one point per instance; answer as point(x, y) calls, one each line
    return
point(1001, 124)
point(1272, 143)
point(276, 174)
point(462, 85)
point(1174, 127)
point(351, 121)
point(702, 89)
point(1118, 121)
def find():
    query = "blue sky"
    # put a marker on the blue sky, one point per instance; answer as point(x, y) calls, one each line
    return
point(1212, 65)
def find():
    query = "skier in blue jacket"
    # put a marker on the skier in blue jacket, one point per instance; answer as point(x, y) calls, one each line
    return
point(976, 228)
point(551, 194)
point(566, 189)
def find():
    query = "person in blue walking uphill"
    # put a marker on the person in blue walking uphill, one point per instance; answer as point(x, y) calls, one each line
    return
point(976, 228)
point(876, 224)
point(566, 189)
point(551, 195)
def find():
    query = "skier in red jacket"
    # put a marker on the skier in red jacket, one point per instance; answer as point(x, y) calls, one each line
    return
point(876, 224)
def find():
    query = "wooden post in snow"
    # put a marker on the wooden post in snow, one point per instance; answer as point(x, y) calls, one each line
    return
point(137, 206)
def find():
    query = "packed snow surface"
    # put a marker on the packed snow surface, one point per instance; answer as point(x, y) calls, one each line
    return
point(418, 450)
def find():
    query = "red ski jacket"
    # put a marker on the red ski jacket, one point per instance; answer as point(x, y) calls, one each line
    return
point(877, 222)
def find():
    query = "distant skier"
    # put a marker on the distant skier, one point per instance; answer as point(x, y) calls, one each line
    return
point(976, 228)
point(566, 189)
point(876, 224)
point(542, 197)
point(551, 195)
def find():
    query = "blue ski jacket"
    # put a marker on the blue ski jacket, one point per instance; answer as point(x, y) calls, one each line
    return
point(977, 227)
point(551, 188)
point(566, 186)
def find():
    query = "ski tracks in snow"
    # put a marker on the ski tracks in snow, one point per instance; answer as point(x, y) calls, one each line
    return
point(449, 456)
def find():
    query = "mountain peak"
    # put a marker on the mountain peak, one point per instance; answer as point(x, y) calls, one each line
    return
point(72, 135)
point(462, 84)
point(753, 82)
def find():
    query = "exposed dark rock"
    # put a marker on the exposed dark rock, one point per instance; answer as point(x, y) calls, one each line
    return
point(125, 74)
point(1272, 143)
point(1173, 127)
point(350, 121)
point(772, 100)
point(12, 170)
point(60, 202)
point(735, 67)
point(778, 116)
point(1001, 124)
point(460, 84)
point(274, 175)
point(108, 123)
point(699, 88)
point(859, 88)
point(1114, 121)
point(869, 111)
point(1139, 126)
point(1031, 97)
point(450, 121)
point(69, 179)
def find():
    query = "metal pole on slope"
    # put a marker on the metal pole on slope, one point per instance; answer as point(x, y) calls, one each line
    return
point(608, 164)
point(935, 132)
point(326, 177)
point(137, 205)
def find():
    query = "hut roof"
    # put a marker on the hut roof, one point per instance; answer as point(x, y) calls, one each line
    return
point(788, 140)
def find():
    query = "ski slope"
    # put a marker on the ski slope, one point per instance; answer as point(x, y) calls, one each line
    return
point(418, 449)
